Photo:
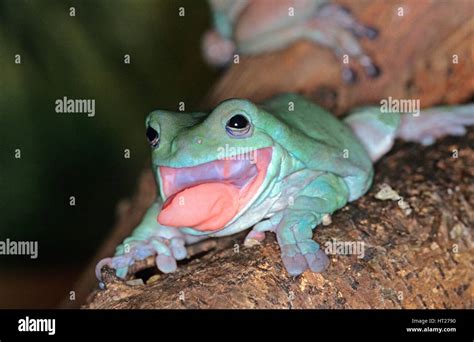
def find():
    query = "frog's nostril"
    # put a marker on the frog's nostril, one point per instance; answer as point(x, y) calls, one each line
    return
point(152, 136)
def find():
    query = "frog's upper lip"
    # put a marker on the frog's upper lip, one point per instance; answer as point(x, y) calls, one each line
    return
point(237, 170)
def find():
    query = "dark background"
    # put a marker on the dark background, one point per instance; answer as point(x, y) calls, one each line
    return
point(65, 155)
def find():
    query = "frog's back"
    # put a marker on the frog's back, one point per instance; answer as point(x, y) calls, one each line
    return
point(326, 143)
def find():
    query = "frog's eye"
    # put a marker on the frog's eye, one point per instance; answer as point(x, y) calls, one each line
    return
point(238, 126)
point(153, 137)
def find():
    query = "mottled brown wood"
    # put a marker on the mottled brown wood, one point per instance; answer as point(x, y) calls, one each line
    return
point(415, 53)
point(423, 260)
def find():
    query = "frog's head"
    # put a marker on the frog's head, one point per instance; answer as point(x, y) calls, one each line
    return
point(210, 168)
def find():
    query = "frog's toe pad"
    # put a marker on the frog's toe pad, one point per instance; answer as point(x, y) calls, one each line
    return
point(254, 238)
point(295, 265)
point(317, 261)
point(371, 32)
point(166, 263)
point(121, 272)
point(299, 257)
point(349, 75)
point(178, 248)
point(372, 70)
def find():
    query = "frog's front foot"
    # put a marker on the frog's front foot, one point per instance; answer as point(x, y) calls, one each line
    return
point(167, 252)
point(299, 251)
point(303, 255)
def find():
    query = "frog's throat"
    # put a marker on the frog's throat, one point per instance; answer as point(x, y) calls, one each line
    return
point(208, 196)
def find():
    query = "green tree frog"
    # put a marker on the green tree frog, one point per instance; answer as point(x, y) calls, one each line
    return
point(278, 167)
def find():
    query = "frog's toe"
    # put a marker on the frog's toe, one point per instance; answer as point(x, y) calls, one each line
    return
point(318, 261)
point(303, 255)
point(315, 258)
point(371, 32)
point(166, 263)
point(100, 265)
point(121, 272)
point(293, 259)
point(254, 238)
point(372, 70)
point(178, 248)
point(142, 251)
point(119, 263)
point(349, 75)
point(295, 265)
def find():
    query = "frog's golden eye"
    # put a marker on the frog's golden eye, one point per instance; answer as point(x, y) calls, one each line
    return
point(153, 137)
point(238, 126)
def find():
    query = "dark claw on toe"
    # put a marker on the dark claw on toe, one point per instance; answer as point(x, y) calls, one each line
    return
point(349, 76)
point(372, 71)
point(344, 9)
point(318, 262)
point(371, 32)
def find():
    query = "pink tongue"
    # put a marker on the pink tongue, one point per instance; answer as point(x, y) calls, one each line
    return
point(204, 207)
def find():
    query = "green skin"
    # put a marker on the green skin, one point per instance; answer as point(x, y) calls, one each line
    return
point(318, 164)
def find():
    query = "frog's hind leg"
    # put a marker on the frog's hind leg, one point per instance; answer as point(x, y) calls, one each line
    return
point(378, 130)
point(334, 27)
point(374, 129)
point(434, 123)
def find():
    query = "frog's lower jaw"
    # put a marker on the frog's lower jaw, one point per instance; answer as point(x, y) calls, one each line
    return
point(208, 196)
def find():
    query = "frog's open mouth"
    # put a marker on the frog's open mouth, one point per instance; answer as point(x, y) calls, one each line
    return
point(208, 196)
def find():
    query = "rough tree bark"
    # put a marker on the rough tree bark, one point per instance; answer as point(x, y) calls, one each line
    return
point(419, 260)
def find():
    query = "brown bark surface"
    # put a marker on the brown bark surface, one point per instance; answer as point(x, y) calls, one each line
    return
point(420, 260)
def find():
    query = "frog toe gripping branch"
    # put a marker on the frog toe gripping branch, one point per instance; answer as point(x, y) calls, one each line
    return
point(273, 168)
point(166, 243)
